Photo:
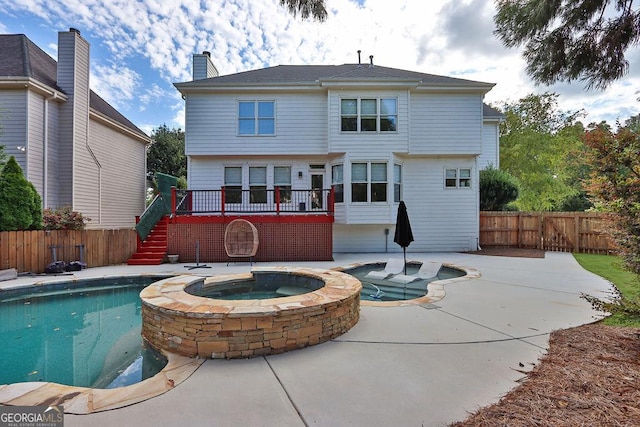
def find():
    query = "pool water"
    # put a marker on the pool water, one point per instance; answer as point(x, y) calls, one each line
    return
point(385, 290)
point(84, 333)
point(263, 285)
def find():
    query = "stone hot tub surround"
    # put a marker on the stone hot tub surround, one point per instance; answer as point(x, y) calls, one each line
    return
point(189, 325)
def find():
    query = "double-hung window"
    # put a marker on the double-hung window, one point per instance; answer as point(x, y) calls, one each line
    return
point(233, 184)
point(337, 182)
point(258, 184)
point(397, 183)
point(368, 182)
point(369, 115)
point(282, 181)
point(256, 118)
point(457, 178)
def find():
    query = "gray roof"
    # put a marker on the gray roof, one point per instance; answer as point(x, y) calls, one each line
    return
point(314, 74)
point(20, 57)
point(489, 112)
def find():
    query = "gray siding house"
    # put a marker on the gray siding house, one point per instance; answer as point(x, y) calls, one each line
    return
point(72, 145)
point(376, 135)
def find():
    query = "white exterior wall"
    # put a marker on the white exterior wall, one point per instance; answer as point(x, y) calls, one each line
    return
point(490, 145)
point(121, 190)
point(212, 125)
point(35, 147)
point(442, 219)
point(13, 117)
point(445, 124)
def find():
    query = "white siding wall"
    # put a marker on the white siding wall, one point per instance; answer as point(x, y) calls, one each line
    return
point(490, 146)
point(212, 125)
point(13, 117)
point(441, 219)
point(446, 124)
point(368, 143)
point(122, 177)
point(35, 149)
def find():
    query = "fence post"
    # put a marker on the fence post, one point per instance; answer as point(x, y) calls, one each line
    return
point(576, 245)
point(222, 200)
point(277, 195)
point(541, 241)
point(173, 201)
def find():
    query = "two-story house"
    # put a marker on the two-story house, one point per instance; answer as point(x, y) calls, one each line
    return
point(376, 135)
point(72, 145)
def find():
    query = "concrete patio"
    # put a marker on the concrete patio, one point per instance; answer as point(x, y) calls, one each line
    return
point(419, 365)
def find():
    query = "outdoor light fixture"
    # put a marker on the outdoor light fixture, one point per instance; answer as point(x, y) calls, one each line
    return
point(299, 174)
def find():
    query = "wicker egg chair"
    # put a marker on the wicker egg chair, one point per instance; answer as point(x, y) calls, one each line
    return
point(241, 240)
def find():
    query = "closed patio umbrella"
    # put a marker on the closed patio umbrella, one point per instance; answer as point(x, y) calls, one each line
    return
point(403, 235)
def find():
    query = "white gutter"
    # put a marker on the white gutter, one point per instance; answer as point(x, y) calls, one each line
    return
point(45, 154)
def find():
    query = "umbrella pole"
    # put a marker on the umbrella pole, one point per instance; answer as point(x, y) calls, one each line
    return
point(405, 260)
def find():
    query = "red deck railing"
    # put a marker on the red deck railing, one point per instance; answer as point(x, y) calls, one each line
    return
point(234, 201)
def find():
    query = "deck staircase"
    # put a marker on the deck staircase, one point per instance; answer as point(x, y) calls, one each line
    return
point(153, 249)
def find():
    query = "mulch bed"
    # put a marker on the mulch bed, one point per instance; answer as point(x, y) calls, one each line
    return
point(589, 377)
point(513, 252)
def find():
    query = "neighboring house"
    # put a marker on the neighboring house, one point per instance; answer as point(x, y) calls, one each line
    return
point(374, 134)
point(72, 145)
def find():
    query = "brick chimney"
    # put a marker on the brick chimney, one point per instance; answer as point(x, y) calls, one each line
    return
point(203, 68)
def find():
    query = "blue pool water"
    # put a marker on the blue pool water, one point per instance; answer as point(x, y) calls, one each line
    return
point(385, 290)
point(83, 333)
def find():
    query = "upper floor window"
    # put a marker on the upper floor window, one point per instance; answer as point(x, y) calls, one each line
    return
point(457, 178)
point(256, 118)
point(369, 115)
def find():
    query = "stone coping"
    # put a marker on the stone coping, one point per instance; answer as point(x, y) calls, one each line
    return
point(84, 400)
point(435, 289)
point(169, 295)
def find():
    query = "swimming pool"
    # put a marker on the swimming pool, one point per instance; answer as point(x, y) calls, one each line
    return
point(83, 333)
point(376, 290)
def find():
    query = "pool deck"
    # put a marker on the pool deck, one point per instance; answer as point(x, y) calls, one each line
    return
point(423, 364)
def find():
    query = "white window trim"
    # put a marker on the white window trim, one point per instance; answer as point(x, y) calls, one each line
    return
point(358, 115)
point(256, 134)
point(369, 182)
point(458, 186)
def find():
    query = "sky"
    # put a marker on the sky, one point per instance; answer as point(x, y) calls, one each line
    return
point(139, 48)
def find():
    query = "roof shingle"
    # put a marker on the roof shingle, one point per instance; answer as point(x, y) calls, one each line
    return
point(20, 57)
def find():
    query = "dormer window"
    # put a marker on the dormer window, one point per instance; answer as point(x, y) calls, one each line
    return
point(369, 115)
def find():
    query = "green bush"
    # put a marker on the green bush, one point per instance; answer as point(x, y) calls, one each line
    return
point(20, 203)
point(64, 219)
point(497, 189)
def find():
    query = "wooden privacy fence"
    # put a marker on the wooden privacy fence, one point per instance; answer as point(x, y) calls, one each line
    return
point(31, 251)
point(549, 231)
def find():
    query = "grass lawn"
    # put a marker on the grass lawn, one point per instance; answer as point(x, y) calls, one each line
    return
point(611, 268)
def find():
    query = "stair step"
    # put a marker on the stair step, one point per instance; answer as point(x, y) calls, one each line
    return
point(144, 255)
point(144, 261)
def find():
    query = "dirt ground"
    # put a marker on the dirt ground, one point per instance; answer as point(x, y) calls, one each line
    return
point(590, 376)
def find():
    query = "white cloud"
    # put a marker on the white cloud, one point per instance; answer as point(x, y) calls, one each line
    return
point(147, 45)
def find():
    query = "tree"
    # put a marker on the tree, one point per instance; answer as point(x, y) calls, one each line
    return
point(20, 203)
point(166, 153)
point(306, 8)
point(540, 146)
point(568, 40)
point(615, 183)
point(497, 189)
